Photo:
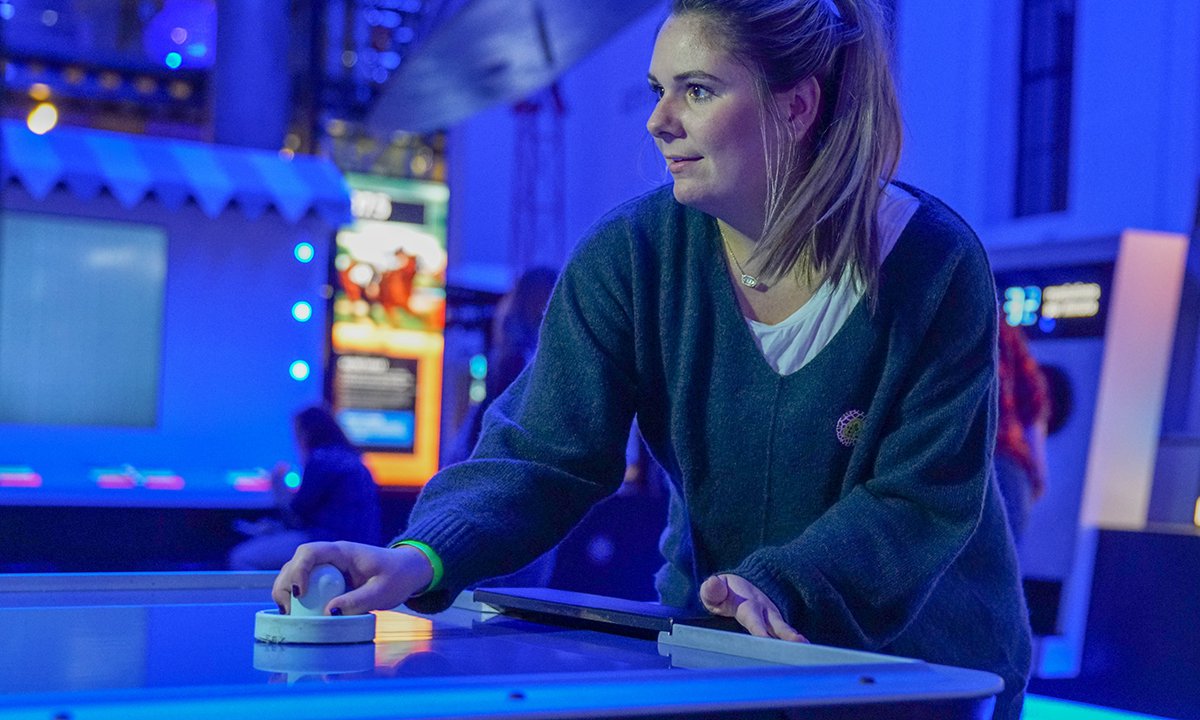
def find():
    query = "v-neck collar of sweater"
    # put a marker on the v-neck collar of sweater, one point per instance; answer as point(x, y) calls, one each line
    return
point(727, 302)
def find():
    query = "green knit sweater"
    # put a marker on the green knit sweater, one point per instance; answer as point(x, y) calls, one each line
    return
point(856, 492)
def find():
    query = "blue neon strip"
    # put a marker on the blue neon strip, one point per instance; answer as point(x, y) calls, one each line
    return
point(1044, 708)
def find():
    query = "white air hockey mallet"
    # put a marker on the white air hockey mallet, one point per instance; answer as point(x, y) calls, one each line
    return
point(307, 623)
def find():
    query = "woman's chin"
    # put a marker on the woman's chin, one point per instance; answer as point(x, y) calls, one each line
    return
point(685, 194)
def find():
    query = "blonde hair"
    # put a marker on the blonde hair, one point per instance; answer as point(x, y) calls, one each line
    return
point(824, 196)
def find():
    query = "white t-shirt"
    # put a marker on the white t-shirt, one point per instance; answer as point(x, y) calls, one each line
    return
point(791, 343)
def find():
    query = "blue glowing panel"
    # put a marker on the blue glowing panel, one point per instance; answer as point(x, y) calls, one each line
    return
point(1045, 708)
point(205, 362)
point(181, 645)
point(81, 310)
point(380, 429)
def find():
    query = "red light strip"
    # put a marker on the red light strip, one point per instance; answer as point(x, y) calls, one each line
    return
point(20, 479)
point(163, 482)
point(116, 481)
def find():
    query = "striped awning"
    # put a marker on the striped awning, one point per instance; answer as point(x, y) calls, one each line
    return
point(135, 168)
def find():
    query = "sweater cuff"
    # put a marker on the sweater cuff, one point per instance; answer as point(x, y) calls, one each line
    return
point(456, 542)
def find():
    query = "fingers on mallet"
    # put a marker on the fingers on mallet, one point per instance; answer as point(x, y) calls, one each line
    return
point(307, 557)
point(281, 592)
point(349, 603)
point(353, 602)
point(292, 579)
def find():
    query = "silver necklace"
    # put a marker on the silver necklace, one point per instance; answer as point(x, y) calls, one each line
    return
point(747, 279)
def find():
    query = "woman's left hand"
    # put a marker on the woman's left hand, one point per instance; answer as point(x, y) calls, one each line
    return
point(734, 596)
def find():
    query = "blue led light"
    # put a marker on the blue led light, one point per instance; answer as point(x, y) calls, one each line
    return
point(304, 252)
point(1047, 708)
point(302, 311)
point(6, 11)
point(186, 28)
point(299, 370)
point(292, 479)
point(478, 366)
point(1021, 305)
point(477, 391)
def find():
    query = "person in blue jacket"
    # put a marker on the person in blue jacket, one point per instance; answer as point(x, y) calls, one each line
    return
point(809, 349)
point(337, 498)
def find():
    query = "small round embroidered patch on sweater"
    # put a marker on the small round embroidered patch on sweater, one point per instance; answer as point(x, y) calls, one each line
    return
point(849, 427)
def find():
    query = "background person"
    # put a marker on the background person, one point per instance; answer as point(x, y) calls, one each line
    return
point(1021, 428)
point(514, 335)
point(337, 498)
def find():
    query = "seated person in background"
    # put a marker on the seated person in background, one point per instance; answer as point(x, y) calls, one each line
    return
point(514, 335)
point(337, 498)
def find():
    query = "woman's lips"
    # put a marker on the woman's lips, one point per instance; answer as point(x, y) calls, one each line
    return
point(678, 164)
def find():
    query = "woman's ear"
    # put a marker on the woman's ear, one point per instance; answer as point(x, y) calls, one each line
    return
point(799, 104)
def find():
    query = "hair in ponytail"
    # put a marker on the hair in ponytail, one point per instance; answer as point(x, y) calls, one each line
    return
point(824, 188)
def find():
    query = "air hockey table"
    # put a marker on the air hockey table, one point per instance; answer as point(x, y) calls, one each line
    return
point(181, 645)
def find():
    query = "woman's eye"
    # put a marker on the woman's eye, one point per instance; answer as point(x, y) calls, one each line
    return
point(657, 90)
point(699, 92)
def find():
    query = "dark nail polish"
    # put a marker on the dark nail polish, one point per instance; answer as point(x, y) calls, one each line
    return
point(295, 591)
point(281, 610)
point(336, 612)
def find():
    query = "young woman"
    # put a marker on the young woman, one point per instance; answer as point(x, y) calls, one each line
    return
point(809, 350)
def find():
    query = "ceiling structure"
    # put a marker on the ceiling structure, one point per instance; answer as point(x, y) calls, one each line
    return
point(478, 53)
point(365, 74)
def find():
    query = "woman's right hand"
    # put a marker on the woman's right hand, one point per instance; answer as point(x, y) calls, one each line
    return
point(379, 578)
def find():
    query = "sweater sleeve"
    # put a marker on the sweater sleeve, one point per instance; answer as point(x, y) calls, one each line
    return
point(553, 444)
point(861, 573)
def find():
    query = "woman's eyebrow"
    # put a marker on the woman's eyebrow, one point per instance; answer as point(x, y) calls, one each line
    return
point(687, 76)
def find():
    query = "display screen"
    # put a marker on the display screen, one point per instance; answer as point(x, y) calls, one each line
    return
point(81, 309)
point(389, 312)
point(379, 399)
point(1053, 302)
point(152, 356)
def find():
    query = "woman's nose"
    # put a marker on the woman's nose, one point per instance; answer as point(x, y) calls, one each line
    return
point(663, 123)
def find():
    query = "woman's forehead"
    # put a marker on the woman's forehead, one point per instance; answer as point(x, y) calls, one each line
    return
point(686, 43)
point(690, 29)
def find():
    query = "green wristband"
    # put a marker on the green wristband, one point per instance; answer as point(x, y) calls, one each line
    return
point(430, 554)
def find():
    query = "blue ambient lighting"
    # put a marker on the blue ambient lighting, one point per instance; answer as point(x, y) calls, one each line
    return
point(478, 366)
point(1044, 708)
point(1021, 305)
point(299, 371)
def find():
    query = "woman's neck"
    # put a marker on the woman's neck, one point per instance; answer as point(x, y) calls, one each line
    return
point(742, 243)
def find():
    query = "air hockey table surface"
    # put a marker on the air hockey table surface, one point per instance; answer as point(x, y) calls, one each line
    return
point(181, 645)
